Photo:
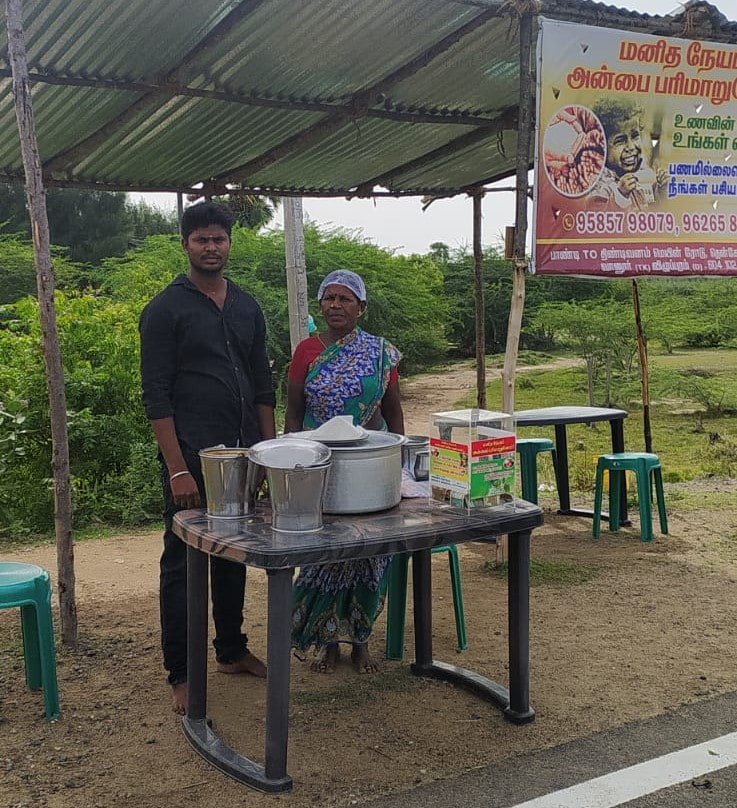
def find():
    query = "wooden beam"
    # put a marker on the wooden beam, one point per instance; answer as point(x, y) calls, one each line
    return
point(456, 145)
point(36, 198)
point(478, 287)
point(164, 92)
point(519, 268)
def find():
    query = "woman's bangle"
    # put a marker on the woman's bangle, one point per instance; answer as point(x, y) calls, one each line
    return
point(178, 474)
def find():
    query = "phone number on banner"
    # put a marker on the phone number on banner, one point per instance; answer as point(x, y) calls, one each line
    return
point(605, 223)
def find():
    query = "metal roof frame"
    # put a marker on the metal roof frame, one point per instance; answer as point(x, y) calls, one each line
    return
point(286, 97)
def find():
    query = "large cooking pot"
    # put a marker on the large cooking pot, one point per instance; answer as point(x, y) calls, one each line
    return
point(366, 476)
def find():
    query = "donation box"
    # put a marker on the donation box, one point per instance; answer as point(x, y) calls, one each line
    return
point(472, 458)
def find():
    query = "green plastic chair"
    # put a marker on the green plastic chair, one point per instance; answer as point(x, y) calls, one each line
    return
point(28, 587)
point(397, 601)
point(647, 469)
point(528, 449)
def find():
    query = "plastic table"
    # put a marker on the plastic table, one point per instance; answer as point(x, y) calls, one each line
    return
point(414, 526)
point(560, 417)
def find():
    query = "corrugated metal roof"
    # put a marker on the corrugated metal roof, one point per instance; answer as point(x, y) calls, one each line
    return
point(317, 97)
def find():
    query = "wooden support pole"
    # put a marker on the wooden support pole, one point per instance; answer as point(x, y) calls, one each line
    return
point(644, 372)
point(478, 265)
point(294, 249)
point(36, 199)
point(524, 140)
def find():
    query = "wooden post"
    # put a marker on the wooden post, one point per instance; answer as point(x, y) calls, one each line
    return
point(644, 373)
point(294, 249)
point(36, 199)
point(524, 139)
point(478, 264)
point(180, 206)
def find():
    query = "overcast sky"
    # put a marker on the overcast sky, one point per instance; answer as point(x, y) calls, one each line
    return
point(400, 224)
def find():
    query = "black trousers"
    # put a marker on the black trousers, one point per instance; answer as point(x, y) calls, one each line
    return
point(227, 587)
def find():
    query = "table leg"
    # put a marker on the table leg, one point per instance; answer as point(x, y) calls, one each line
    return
point(197, 587)
point(279, 648)
point(617, 427)
point(422, 605)
point(518, 599)
point(425, 665)
point(561, 457)
point(273, 776)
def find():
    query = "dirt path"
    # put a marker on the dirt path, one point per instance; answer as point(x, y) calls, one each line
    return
point(635, 630)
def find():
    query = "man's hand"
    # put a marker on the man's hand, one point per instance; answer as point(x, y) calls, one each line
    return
point(184, 491)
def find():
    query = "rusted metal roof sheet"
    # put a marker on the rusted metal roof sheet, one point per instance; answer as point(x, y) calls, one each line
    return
point(313, 97)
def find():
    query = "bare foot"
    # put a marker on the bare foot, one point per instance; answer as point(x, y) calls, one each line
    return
point(179, 698)
point(362, 661)
point(246, 664)
point(328, 659)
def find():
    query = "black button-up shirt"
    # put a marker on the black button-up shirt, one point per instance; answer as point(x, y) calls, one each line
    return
point(205, 367)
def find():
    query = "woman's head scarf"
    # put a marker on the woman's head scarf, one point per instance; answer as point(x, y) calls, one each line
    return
point(344, 277)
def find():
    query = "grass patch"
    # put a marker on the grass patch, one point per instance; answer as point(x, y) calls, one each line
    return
point(362, 690)
point(548, 573)
point(690, 445)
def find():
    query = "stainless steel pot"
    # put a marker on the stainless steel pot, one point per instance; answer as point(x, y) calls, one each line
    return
point(231, 482)
point(365, 476)
point(414, 445)
point(296, 472)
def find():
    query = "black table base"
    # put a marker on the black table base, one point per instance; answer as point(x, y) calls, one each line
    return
point(417, 530)
point(513, 701)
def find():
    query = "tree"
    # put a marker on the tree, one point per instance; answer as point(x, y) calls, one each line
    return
point(251, 211)
point(92, 225)
point(603, 334)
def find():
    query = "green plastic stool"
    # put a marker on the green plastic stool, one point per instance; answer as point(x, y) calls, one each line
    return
point(647, 469)
point(397, 601)
point(28, 587)
point(528, 450)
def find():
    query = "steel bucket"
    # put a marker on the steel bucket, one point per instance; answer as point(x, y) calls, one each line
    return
point(231, 482)
point(297, 497)
point(297, 471)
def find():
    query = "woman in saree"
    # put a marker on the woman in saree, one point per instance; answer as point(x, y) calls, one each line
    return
point(342, 371)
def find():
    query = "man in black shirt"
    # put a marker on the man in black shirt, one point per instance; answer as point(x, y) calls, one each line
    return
point(206, 380)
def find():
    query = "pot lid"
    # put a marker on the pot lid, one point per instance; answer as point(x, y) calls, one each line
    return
point(375, 439)
point(282, 454)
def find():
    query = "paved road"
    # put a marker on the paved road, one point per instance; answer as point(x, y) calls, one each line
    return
point(519, 780)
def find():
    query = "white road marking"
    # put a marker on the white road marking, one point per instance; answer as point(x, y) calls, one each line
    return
point(645, 778)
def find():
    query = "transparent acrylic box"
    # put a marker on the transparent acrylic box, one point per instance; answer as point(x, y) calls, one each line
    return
point(472, 459)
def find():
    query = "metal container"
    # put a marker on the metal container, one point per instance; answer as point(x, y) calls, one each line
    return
point(412, 447)
point(421, 468)
point(365, 476)
point(231, 482)
point(297, 472)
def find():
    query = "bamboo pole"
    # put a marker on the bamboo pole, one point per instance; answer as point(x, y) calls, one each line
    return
point(524, 139)
point(478, 264)
point(644, 373)
point(36, 199)
point(294, 249)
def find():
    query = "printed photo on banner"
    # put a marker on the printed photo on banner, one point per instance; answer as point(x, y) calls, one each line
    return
point(636, 154)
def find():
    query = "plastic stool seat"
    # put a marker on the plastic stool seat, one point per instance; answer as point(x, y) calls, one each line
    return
point(397, 601)
point(647, 469)
point(28, 587)
point(528, 450)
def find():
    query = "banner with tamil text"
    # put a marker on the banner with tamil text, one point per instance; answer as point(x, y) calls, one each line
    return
point(636, 154)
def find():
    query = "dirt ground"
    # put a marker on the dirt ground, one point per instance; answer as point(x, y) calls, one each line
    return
point(653, 628)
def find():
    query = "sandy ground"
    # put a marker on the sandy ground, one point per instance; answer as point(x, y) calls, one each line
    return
point(652, 628)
